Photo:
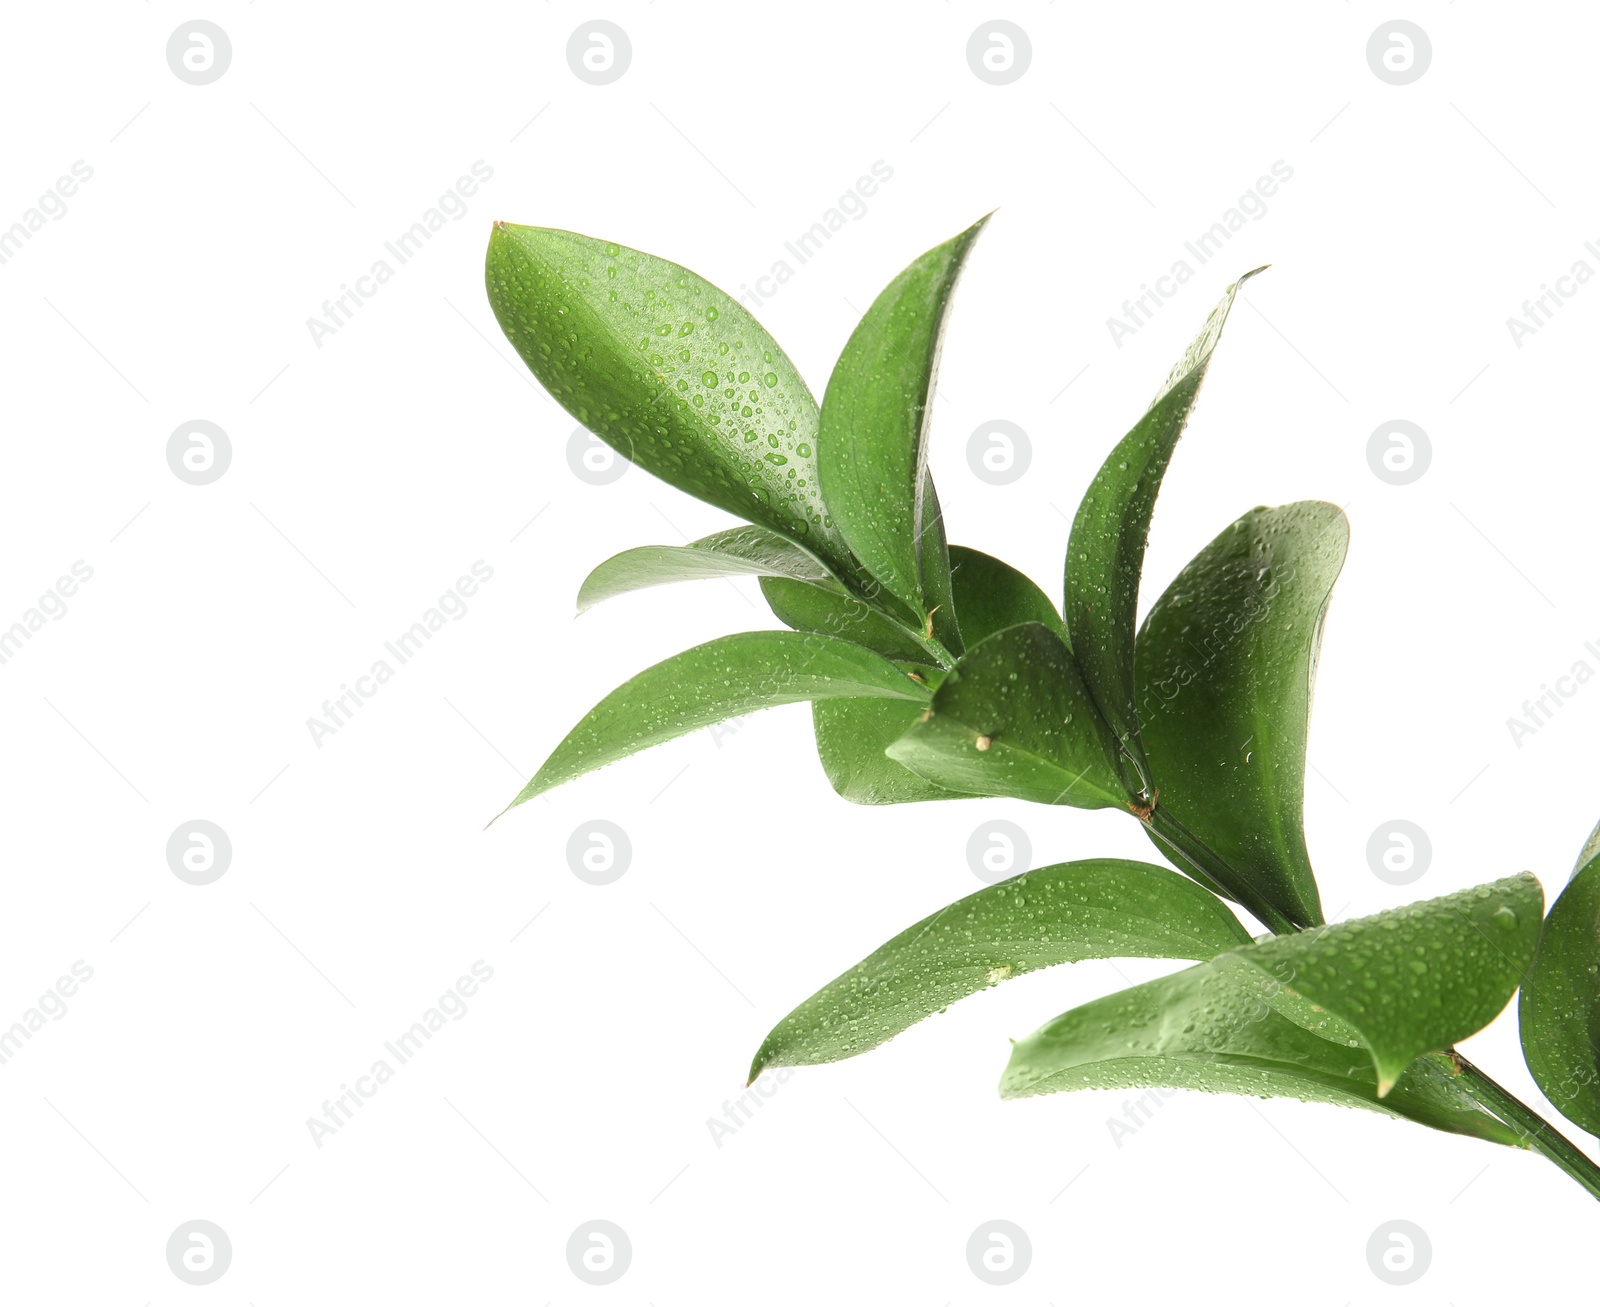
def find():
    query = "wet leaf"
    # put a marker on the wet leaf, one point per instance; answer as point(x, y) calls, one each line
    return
point(743, 551)
point(1225, 1028)
point(991, 595)
point(1105, 554)
point(832, 611)
point(1099, 908)
point(670, 372)
point(1559, 1012)
point(873, 437)
point(1015, 719)
point(852, 736)
point(712, 682)
point(1226, 662)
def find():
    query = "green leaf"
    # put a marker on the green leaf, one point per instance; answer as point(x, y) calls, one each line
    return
point(830, 611)
point(1559, 1012)
point(991, 595)
point(852, 735)
point(872, 445)
point(1105, 554)
point(934, 556)
point(1224, 1028)
point(743, 551)
point(1226, 662)
point(711, 683)
point(1015, 719)
point(1390, 987)
point(669, 371)
point(1100, 908)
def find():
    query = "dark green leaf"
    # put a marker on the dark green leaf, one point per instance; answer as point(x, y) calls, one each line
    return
point(1105, 554)
point(1225, 1028)
point(1379, 992)
point(1101, 908)
point(934, 556)
point(711, 683)
point(669, 371)
point(1226, 661)
point(1015, 719)
point(991, 595)
point(1559, 1012)
point(833, 612)
point(873, 439)
point(743, 551)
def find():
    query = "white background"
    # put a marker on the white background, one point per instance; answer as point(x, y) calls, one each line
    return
point(367, 474)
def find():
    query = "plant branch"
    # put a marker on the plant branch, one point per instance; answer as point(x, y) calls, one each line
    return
point(1537, 1133)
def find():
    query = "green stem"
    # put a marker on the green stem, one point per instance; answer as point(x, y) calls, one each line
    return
point(1537, 1133)
point(1196, 856)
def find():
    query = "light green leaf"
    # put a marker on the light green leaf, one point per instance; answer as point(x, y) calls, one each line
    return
point(831, 611)
point(670, 372)
point(991, 595)
point(873, 440)
point(1105, 554)
point(1559, 1012)
point(1015, 719)
point(1393, 986)
point(1225, 1028)
point(743, 551)
point(711, 683)
point(1099, 908)
point(1226, 662)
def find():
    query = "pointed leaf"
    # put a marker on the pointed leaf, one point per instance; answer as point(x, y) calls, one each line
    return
point(1100, 908)
point(991, 595)
point(873, 440)
point(711, 683)
point(1559, 1012)
point(743, 551)
point(1105, 554)
point(667, 370)
point(1226, 661)
point(831, 611)
point(1226, 1028)
point(1015, 719)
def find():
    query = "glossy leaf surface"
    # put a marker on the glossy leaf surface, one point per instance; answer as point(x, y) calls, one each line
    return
point(1559, 1011)
point(1226, 661)
point(743, 551)
point(991, 595)
point(667, 370)
point(832, 611)
point(1105, 554)
point(873, 438)
point(1015, 719)
point(1099, 908)
point(711, 683)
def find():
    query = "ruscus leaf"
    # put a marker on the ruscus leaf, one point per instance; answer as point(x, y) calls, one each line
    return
point(743, 551)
